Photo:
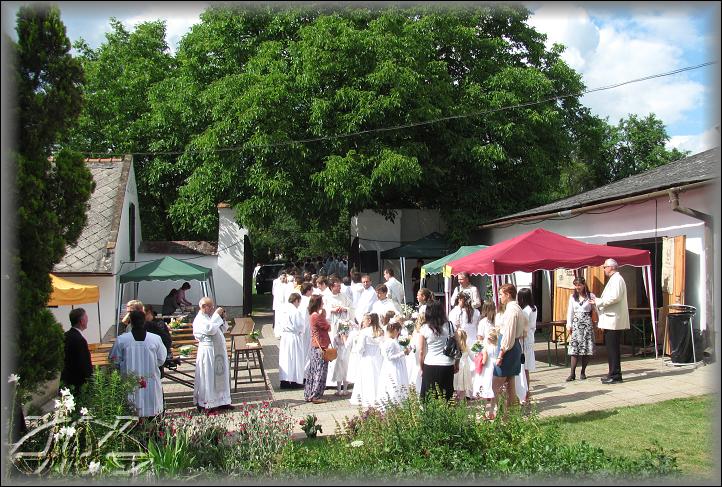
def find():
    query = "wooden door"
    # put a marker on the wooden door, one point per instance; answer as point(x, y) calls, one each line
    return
point(595, 282)
point(675, 293)
point(561, 301)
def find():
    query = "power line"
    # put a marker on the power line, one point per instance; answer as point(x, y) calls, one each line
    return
point(409, 125)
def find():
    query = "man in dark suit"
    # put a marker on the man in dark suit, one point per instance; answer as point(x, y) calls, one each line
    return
point(77, 368)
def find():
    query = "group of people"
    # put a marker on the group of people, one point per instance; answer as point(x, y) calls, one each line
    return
point(176, 299)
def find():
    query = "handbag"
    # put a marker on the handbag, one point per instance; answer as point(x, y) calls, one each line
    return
point(595, 315)
point(451, 348)
point(327, 354)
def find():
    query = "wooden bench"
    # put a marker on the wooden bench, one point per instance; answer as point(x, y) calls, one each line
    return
point(242, 326)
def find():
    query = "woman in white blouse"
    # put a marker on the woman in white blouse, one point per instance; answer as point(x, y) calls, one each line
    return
point(580, 328)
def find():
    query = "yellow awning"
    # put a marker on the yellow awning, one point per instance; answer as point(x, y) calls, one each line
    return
point(67, 292)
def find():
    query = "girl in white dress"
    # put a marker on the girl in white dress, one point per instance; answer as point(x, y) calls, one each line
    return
point(393, 377)
point(490, 353)
point(488, 315)
point(463, 379)
point(367, 377)
point(291, 349)
point(526, 303)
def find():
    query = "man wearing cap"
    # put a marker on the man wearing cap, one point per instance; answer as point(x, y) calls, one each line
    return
point(613, 318)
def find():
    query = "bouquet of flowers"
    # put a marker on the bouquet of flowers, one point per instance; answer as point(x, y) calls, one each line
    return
point(254, 336)
point(406, 310)
point(174, 324)
point(404, 341)
point(477, 347)
point(410, 326)
point(343, 328)
point(185, 350)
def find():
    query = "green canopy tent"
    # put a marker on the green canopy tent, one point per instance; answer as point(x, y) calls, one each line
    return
point(167, 269)
point(434, 245)
point(437, 267)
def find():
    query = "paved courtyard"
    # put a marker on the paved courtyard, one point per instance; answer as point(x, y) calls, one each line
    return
point(646, 380)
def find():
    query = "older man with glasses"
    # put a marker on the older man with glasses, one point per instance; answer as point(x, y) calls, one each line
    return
point(613, 318)
point(465, 286)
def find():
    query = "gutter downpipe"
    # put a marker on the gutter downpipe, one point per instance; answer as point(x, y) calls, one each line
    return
point(708, 259)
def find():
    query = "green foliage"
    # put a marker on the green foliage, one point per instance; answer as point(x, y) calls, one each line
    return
point(449, 440)
point(52, 195)
point(171, 456)
point(106, 394)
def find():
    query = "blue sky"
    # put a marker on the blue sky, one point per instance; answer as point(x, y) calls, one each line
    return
point(606, 42)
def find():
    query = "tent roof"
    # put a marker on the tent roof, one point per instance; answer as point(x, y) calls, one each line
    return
point(437, 266)
point(542, 250)
point(67, 292)
point(167, 269)
point(432, 245)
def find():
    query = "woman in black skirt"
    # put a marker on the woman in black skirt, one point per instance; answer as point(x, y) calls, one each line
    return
point(508, 364)
point(436, 368)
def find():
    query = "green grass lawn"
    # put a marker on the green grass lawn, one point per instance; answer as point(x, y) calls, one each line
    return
point(683, 427)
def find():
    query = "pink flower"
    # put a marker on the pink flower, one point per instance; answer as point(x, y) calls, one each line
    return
point(302, 422)
point(142, 383)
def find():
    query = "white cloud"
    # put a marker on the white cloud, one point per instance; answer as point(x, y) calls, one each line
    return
point(696, 143)
point(178, 21)
point(614, 45)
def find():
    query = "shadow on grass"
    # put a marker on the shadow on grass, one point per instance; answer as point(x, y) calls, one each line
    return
point(584, 417)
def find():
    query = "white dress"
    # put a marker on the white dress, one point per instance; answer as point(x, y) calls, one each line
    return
point(393, 377)
point(369, 365)
point(485, 326)
point(292, 349)
point(528, 341)
point(412, 362)
point(483, 381)
point(366, 300)
point(463, 379)
point(142, 358)
point(338, 368)
point(460, 320)
point(212, 387)
point(381, 307)
point(354, 357)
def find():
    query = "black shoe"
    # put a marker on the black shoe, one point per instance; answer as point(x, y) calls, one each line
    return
point(582, 376)
point(571, 378)
point(609, 380)
point(227, 407)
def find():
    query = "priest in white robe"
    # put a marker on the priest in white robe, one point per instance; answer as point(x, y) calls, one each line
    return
point(366, 299)
point(141, 354)
point(292, 349)
point(212, 388)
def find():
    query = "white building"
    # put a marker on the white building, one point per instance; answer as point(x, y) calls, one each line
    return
point(111, 244)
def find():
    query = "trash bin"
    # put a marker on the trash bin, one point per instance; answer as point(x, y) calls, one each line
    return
point(684, 343)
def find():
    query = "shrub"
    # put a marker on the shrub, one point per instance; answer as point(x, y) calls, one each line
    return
point(107, 392)
point(444, 438)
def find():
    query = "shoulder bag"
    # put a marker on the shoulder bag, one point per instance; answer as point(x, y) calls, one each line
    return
point(328, 354)
point(451, 348)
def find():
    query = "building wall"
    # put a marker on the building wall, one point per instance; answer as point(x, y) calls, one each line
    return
point(648, 219)
point(377, 233)
point(106, 286)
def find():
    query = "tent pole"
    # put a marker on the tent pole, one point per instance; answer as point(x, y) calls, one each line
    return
point(403, 278)
point(117, 308)
point(100, 331)
point(652, 307)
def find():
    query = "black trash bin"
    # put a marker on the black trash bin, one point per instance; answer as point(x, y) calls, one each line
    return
point(684, 340)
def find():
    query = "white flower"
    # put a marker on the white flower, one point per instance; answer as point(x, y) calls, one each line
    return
point(357, 443)
point(57, 403)
point(67, 431)
point(65, 392)
point(13, 378)
point(94, 468)
point(56, 436)
point(415, 314)
point(69, 403)
point(84, 412)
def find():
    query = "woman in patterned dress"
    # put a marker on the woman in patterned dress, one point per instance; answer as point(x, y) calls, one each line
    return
point(580, 328)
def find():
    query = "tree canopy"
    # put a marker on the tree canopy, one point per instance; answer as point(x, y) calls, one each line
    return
point(52, 193)
point(304, 117)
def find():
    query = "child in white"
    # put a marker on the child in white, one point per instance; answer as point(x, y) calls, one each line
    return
point(483, 383)
point(412, 361)
point(393, 378)
point(463, 378)
point(488, 313)
point(369, 365)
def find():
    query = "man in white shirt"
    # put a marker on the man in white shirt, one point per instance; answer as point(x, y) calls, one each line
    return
point(322, 287)
point(366, 298)
point(279, 293)
point(396, 289)
point(613, 318)
point(212, 388)
point(466, 286)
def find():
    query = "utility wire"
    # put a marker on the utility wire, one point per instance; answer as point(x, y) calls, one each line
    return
point(409, 125)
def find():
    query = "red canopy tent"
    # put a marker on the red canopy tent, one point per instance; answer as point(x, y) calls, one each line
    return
point(544, 250)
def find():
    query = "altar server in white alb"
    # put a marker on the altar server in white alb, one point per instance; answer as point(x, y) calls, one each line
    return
point(366, 299)
point(279, 298)
point(338, 310)
point(212, 388)
point(292, 348)
point(141, 353)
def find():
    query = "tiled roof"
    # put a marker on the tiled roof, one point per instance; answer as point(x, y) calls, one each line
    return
point(693, 169)
point(179, 247)
point(92, 253)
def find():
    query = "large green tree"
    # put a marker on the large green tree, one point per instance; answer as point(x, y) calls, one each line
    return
point(52, 193)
